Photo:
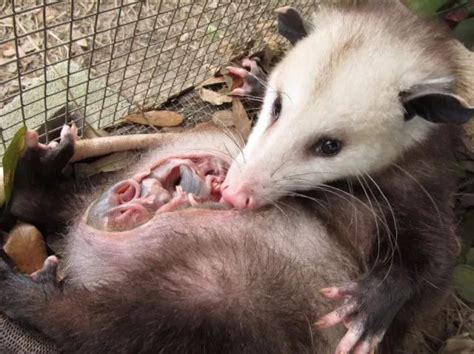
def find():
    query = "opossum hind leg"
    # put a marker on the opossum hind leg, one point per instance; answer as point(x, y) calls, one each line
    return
point(368, 310)
point(21, 295)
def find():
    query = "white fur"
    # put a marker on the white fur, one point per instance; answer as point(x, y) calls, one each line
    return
point(356, 100)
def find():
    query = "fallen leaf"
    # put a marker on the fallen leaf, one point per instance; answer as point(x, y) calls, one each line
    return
point(213, 97)
point(241, 118)
point(211, 81)
point(82, 42)
point(156, 118)
point(26, 248)
point(9, 51)
point(459, 345)
point(7, 22)
point(90, 132)
point(224, 118)
point(111, 163)
point(233, 83)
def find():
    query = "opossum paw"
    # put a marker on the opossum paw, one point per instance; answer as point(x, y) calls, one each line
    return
point(367, 312)
point(19, 293)
point(48, 159)
point(249, 80)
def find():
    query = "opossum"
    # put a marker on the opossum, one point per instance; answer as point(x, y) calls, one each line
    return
point(357, 117)
point(155, 263)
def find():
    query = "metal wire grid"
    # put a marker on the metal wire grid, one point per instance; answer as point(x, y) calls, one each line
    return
point(109, 58)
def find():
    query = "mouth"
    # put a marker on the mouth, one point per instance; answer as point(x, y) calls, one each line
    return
point(172, 184)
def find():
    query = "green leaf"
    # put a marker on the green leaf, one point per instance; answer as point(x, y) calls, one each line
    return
point(464, 31)
point(426, 7)
point(464, 281)
point(213, 33)
point(10, 160)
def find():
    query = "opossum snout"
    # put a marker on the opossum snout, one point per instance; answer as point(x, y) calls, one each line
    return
point(240, 197)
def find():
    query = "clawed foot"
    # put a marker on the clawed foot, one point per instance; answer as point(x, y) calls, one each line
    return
point(249, 79)
point(367, 311)
point(39, 171)
point(54, 152)
point(19, 294)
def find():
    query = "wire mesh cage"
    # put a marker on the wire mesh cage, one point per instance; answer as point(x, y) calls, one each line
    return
point(106, 59)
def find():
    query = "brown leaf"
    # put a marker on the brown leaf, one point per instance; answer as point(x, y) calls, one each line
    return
point(82, 42)
point(9, 50)
point(114, 162)
point(156, 118)
point(459, 345)
point(213, 97)
point(211, 81)
point(26, 248)
point(241, 119)
point(224, 118)
point(91, 133)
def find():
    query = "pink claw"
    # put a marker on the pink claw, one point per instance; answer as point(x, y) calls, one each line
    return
point(53, 144)
point(240, 72)
point(239, 91)
point(31, 138)
point(349, 341)
point(69, 130)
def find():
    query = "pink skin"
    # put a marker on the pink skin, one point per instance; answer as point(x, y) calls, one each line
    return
point(158, 189)
point(32, 138)
point(250, 69)
point(352, 342)
point(49, 269)
point(240, 197)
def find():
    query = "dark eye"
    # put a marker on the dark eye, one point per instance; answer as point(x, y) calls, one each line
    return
point(328, 147)
point(276, 108)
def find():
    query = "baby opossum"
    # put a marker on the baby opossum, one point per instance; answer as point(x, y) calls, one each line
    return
point(155, 264)
point(356, 117)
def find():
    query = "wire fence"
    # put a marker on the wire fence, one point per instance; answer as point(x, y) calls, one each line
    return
point(106, 59)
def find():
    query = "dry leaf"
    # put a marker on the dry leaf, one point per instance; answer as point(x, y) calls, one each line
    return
point(241, 119)
point(7, 22)
point(212, 81)
point(224, 118)
point(9, 51)
point(111, 163)
point(26, 248)
point(215, 98)
point(82, 42)
point(90, 133)
point(156, 118)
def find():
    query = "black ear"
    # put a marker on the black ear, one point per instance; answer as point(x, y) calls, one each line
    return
point(290, 24)
point(438, 108)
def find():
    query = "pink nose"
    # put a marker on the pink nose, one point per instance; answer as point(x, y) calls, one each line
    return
point(239, 198)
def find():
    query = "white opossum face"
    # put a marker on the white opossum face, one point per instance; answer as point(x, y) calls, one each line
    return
point(333, 109)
